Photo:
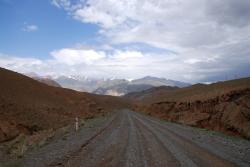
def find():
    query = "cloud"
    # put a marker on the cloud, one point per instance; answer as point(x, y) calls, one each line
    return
point(195, 40)
point(62, 4)
point(119, 63)
point(77, 56)
point(16, 63)
point(204, 33)
point(231, 13)
point(177, 24)
point(197, 65)
point(30, 27)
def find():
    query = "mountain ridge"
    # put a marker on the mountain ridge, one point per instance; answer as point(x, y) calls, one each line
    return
point(117, 86)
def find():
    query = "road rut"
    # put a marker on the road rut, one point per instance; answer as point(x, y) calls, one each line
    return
point(133, 139)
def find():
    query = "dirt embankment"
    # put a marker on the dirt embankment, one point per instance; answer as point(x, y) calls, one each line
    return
point(229, 112)
point(29, 107)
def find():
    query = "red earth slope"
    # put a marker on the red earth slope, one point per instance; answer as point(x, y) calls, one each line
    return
point(223, 106)
point(28, 106)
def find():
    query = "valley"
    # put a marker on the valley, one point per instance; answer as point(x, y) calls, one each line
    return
point(37, 125)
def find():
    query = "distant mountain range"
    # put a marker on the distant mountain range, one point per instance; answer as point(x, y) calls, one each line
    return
point(122, 89)
point(114, 87)
point(154, 81)
point(138, 85)
point(46, 80)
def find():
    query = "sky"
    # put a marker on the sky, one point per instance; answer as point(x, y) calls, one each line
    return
point(191, 41)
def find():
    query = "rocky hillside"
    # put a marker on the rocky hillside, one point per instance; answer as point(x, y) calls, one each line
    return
point(29, 107)
point(223, 106)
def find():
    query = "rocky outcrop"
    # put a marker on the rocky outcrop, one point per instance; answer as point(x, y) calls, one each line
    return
point(229, 113)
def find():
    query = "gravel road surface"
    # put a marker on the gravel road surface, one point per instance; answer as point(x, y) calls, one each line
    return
point(132, 139)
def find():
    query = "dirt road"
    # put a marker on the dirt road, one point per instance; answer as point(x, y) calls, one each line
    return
point(131, 139)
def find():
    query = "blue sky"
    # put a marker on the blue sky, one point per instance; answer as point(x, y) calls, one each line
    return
point(55, 29)
point(192, 41)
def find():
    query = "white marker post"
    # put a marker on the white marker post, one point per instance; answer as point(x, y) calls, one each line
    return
point(76, 124)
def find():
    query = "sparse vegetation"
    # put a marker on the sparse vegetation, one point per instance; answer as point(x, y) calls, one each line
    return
point(222, 106)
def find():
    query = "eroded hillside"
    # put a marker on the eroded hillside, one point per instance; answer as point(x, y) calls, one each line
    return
point(223, 106)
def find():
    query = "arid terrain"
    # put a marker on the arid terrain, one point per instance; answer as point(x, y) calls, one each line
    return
point(30, 111)
point(127, 138)
point(222, 106)
point(125, 83)
point(37, 125)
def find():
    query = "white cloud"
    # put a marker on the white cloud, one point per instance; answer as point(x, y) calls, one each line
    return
point(210, 39)
point(178, 25)
point(164, 22)
point(77, 56)
point(194, 65)
point(124, 55)
point(90, 15)
point(17, 63)
point(30, 27)
point(122, 64)
point(66, 4)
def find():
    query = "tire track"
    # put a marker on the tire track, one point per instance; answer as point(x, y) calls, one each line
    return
point(174, 150)
point(135, 152)
point(194, 152)
point(132, 139)
point(157, 154)
point(62, 161)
